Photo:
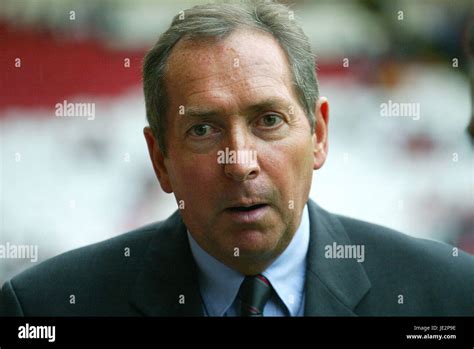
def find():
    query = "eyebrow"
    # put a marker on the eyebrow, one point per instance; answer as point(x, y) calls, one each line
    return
point(264, 105)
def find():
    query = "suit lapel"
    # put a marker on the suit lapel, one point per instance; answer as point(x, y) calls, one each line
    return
point(167, 284)
point(334, 287)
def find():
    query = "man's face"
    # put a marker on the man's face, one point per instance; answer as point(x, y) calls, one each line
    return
point(237, 95)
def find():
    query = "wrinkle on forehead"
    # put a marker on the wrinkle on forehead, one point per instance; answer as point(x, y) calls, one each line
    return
point(195, 66)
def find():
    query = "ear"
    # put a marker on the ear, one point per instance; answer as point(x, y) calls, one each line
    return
point(320, 137)
point(158, 160)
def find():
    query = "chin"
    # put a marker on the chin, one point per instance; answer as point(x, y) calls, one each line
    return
point(253, 243)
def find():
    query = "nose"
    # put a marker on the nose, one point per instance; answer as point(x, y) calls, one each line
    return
point(241, 159)
point(241, 172)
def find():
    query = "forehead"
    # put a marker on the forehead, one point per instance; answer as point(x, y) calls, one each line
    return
point(246, 62)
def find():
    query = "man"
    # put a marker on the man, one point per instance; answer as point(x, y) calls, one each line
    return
point(236, 130)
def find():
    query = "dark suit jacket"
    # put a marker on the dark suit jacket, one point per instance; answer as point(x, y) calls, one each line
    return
point(160, 268)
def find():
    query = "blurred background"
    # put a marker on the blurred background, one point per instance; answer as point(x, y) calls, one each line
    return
point(71, 181)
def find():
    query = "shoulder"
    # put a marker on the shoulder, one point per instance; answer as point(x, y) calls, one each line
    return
point(107, 268)
point(432, 277)
point(392, 245)
point(123, 250)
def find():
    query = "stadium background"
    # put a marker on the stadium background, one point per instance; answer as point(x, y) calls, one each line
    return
point(69, 181)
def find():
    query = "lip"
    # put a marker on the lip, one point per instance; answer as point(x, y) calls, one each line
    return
point(246, 203)
point(251, 216)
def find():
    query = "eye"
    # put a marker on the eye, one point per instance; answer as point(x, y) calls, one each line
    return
point(270, 120)
point(200, 130)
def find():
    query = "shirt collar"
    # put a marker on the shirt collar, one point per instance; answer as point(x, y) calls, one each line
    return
point(219, 284)
point(288, 272)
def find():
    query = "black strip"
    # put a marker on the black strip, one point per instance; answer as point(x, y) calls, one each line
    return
point(317, 331)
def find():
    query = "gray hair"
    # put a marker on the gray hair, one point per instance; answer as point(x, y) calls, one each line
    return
point(218, 21)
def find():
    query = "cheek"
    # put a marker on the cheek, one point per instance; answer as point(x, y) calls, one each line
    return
point(304, 160)
point(290, 166)
point(193, 179)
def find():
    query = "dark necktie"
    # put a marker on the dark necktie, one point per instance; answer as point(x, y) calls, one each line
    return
point(254, 294)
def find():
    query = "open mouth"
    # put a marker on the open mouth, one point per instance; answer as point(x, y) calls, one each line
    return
point(246, 209)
